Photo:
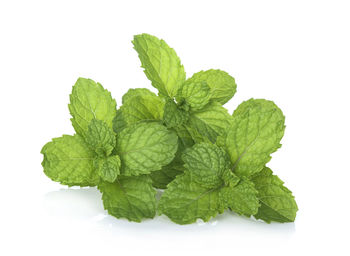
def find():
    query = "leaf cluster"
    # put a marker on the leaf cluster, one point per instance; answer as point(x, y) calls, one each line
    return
point(182, 140)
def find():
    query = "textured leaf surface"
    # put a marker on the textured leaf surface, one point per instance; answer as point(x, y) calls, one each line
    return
point(256, 132)
point(132, 198)
point(108, 168)
point(168, 173)
point(69, 161)
point(161, 64)
point(222, 85)
point(136, 92)
point(88, 101)
point(145, 147)
point(100, 137)
point(209, 122)
point(195, 94)
point(206, 164)
point(241, 198)
point(139, 109)
point(185, 201)
point(161, 178)
point(277, 202)
point(173, 115)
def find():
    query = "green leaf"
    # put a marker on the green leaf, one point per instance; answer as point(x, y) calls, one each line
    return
point(222, 85)
point(173, 115)
point(207, 124)
point(100, 137)
point(132, 198)
point(240, 198)
point(145, 147)
point(162, 65)
point(277, 202)
point(195, 94)
point(256, 132)
point(88, 101)
point(69, 161)
point(185, 138)
point(169, 172)
point(161, 178)
point(108, 168)
point(136, 92)
point(206, 164)
point(139, 109)
point(184, 201)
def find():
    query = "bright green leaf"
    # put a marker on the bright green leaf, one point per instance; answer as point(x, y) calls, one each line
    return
point(69, 160)
point(147, 108)
point(108, 168)
point(145, 147)
point(209, 122)
point(222, 85)
point(195, 94)
point(240, 198)
point(206, 164)
point(136, 92)
point(277, 202)
point(162, 65)
point(256, 132)
point(88, 101)
point(100, 137)
point(185, 201)
point(132, 198)
point(173, 115)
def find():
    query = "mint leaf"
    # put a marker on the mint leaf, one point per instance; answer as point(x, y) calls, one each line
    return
point(195, 94)
point(100, 137)
point(88, 101)
point(173, 115)
point(136, 92)
point(207, 188)
point(206, 163)
point(162, 65)
point(145, 147)
point(161, 178)
point(69, 161)
point(240, 198)
point(277, 202)
point(132, 198)
point(184, 201)
point(256, 132)
point(139, 108)
point(207, 124)
point(108, 168)
point(222, 85)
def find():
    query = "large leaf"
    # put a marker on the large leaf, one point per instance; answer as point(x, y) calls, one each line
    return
point(162, 65)
point(69, 160)
point(145, 147)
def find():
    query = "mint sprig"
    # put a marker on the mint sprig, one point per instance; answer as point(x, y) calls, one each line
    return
point(182, 140)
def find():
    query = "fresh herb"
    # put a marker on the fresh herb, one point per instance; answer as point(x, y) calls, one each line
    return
point(182, 140)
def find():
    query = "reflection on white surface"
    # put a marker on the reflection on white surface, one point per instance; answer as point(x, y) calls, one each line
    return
point(84, 204)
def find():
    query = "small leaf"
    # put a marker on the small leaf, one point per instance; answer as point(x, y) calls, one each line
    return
point(100, 137)
point(108, 168)
point(222, 85)
point(195, 94)
point(173, 115)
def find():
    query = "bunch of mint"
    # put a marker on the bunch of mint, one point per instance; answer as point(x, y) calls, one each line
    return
point(182, 140)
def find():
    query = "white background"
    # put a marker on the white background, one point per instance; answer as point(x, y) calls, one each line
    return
point(296, 53)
